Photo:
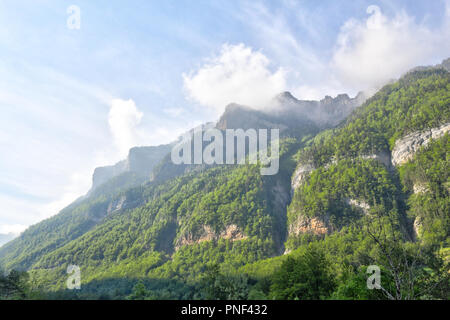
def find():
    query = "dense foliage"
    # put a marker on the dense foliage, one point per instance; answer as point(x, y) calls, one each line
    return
point(218, 232)
point(417, 101)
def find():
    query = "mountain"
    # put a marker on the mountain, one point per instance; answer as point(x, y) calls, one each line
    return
point(289, 114)
point(140, 162)
point(105, 197)
point(358, 179)
point(352, 169)
point(445, 65)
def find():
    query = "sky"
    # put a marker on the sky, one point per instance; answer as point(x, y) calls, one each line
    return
point(82, 81)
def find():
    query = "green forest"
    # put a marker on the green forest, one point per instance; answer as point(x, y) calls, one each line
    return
point(225, 232)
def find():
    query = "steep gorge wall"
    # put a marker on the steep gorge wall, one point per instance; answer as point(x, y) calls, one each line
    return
point(406, 147)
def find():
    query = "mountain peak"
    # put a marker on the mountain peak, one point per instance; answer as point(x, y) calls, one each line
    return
point(286, 96)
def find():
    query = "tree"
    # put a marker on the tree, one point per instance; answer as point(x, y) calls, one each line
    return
point(14, 286)
point(218, 286)
point(306, 277)
point(139, 292)
point(414, 271)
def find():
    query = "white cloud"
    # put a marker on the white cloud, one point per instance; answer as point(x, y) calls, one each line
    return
point(239, 74)
point(123, 120)
point(367, 51)
point(370, 52)
point(130, 128)
point(15, 229)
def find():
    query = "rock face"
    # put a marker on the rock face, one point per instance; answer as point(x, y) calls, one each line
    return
point(285, 111)
point(242, 117)
point(327, 112)
point(305, 224)
point(300, 175)
point(364, 206)
point(444, 65)
point(304, 170)
point(231, 232)
point(103, 174)
point(420, 188)
point(406, 147)
point(140, 160)
point(116, 205)
point(417, 227)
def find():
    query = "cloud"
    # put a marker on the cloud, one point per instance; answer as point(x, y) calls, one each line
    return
point(372, 51)
point(14, 229)
point(123, 120)
point(239, 74)
point(129, 128)
point(363, 54)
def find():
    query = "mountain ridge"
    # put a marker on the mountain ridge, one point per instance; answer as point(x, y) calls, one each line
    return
point(232, 216)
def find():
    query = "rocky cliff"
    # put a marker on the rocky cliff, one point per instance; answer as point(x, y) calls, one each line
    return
point(286, 112)
point(299, 176)
point(140, 160)
point(312, 225)
point(406, 147)
point(231, 232)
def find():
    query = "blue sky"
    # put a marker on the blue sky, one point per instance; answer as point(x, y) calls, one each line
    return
point(143, 72)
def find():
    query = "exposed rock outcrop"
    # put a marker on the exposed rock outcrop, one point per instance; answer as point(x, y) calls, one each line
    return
point(103, 174)
point(231, 232)
point(116, 205)
point(361, 204)
point(242, 117)
point(444, 65)
point(140, 160)
point(327, 112)
point(285, 111)
point(421, 188)
point(406, 147)
point(305, 224)
point(299, 176)
point(417, 226)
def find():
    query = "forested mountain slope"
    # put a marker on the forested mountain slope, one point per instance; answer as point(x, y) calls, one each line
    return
point(115, 191)
point(220, 231)
point(374, 191)
point(346, 172)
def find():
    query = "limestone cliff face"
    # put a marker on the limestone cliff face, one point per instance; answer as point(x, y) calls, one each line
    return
point(406, 147)
point(327, 112)
point(231, 232)
point(140, 160)
point(421, 188)
point(116, 205)
point(417, 226)
point(242, 117)
point(300, 174)
point(360, 204)
point(286, 112)
point(303, 224)
point(103, 174)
